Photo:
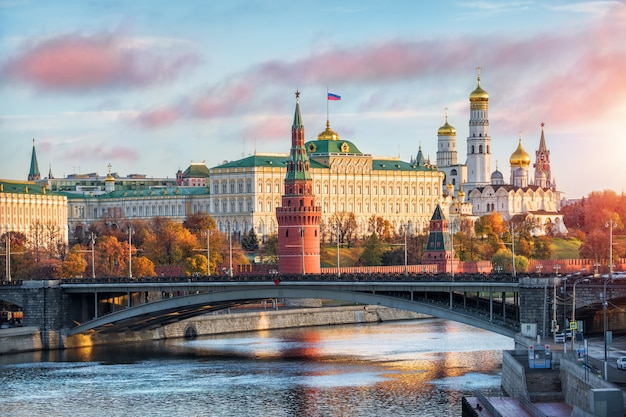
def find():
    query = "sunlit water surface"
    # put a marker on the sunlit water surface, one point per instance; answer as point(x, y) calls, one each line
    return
point(411, 368)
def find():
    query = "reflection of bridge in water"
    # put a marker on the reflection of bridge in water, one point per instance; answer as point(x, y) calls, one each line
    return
point(499, 303)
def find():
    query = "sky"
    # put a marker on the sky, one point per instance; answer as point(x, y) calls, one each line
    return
point(149, 86)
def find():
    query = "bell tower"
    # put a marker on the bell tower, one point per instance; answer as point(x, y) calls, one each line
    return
point(298, 217)
point(478, 141)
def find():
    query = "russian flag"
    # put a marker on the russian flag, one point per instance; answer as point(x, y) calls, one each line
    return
point(333, 96)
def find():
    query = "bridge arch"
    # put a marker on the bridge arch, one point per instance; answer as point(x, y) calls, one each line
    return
point(175, 309)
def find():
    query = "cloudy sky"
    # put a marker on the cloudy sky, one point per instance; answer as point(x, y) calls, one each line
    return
point(149, 86)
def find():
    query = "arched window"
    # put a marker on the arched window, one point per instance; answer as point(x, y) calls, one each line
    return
point(480, 149)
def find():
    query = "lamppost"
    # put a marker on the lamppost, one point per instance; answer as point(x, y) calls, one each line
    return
point(130, 232)
point(574, 309)
point(230, 248)
point(452, 226)
point(565, 326)
point(208, 252)
point(611, 225)
point(512, 244)
point(93, 255)
point(8, 255)
point(338, 270)
point(604, 305)
point(513, 250)
point(406, 271)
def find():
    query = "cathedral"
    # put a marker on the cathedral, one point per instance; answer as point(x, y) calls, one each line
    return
point(473, 187)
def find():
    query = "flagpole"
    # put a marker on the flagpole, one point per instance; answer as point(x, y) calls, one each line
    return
point(327, 91)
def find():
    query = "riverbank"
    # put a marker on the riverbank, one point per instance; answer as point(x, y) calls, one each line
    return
point(28, 339)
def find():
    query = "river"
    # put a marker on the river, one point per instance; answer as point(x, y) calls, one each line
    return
point(409, 368)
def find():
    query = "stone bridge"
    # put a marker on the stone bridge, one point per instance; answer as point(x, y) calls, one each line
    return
point(501, 304)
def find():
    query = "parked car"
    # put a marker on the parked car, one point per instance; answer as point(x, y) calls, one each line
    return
point(559, 338)
point(621, 362)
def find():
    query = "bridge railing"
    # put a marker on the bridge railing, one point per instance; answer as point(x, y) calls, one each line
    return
point(358, 277)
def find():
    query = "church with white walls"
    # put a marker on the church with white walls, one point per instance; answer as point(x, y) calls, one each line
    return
point(473, 187)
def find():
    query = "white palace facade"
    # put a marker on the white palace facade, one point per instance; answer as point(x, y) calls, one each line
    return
point(246, 192)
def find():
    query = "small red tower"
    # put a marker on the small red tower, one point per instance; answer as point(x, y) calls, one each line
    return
point(298, 217)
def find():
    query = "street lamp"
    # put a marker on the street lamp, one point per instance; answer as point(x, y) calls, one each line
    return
point(208, 252)
point(338, 270)
point(604, 305)
point(130, 232)
point(8, 255)
point(452, 226)
point(611, 225)
point(230, 247)
point(574, 308)
point(513, 250)
point(93, 255)
point(565, 326)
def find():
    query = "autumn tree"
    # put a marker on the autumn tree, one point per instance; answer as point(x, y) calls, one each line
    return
point(111, 257)
point(196, 265)
point(170, 244)
point(344, 226)
point(199, 223)
point(595, 246)
point(381, 227)
point(74, 264)
point(270, 250)
point(143, 267)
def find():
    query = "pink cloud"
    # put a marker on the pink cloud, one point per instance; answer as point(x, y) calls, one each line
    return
point(157, 118)
point(555, 75)
point(75, 62)
point(101, 153)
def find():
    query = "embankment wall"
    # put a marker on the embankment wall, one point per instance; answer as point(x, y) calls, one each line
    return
point(30, 339)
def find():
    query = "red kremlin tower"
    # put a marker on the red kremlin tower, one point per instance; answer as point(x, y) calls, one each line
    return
point(298, 217)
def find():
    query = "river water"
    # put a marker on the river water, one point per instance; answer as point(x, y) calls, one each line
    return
point(409, 368)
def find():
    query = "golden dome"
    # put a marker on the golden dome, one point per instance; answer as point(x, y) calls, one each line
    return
point(520, 157)
point(328, 134)
point(109, 177)
point(479, 94)
point(447, 129)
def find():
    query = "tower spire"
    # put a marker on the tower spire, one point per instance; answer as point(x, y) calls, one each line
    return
point(33, 173)
point(298, 216)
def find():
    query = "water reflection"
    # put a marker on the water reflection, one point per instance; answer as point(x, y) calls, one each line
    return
point(403, 369)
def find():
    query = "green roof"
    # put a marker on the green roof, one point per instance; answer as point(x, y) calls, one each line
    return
point(397, 165)
point(279, 161)
point(196, 171)
point(20, 187)
point(332, 146)
point(148, 192)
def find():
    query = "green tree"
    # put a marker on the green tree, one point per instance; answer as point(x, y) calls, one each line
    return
point(250, 241)
point(504, 258)
point(543, 247)
point(373, 250)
